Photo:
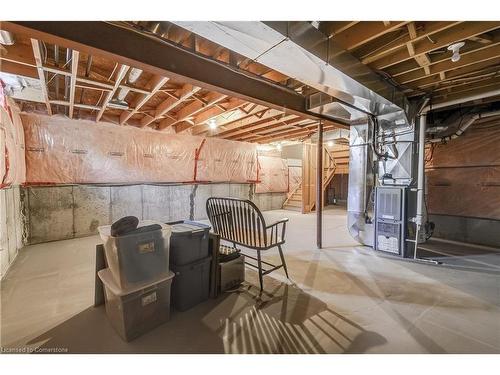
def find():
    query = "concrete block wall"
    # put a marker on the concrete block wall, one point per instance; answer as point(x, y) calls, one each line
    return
point(12, 226)
point(466, 229)
point(63, 212)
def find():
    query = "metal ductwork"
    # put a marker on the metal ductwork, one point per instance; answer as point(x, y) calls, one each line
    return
point(6, 38)
point(300, 51)
point(119, 102)
point(361, 184)
point(22, 88)
point(348, 91)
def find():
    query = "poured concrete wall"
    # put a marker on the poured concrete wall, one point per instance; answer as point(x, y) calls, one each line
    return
point(467, 229)
point(11, 226)
point(62, 212)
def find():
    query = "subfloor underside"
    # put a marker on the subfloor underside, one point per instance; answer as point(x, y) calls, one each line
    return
point(342, 299)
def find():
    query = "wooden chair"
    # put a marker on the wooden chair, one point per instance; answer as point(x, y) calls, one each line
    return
point(240, 221)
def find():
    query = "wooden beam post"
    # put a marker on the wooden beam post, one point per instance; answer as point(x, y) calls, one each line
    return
point(319, 187)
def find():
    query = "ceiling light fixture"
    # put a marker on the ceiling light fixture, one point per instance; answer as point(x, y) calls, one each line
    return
point(279, 147)
point(212, 124)
point(329, 143)
point(455, 49)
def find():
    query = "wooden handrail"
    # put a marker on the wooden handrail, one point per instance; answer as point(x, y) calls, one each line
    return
point(291, 194)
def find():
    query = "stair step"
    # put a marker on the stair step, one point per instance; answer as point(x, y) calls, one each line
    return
point(292, 208)
point(294, 203)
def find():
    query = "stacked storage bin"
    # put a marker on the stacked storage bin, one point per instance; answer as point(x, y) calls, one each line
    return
point(138, 279)
point(190, 262)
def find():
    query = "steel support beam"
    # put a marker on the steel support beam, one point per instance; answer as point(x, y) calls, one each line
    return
point(319, 188)
point(162, 57)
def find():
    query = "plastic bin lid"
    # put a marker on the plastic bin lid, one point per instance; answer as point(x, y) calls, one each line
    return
point(105, 230)
point(188, 226)
point(107, 278)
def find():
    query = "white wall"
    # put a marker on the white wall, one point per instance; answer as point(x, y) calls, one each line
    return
point(11, 227)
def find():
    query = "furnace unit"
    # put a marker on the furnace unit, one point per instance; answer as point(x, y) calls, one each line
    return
point(394, 209)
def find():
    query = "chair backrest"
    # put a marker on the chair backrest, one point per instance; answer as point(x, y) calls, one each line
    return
point(238, 221)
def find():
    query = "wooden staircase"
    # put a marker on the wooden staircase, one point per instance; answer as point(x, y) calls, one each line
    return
point(329, 168)
point(294, 199)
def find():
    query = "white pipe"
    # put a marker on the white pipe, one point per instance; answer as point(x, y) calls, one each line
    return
point(464, 126)
point(420, 178)
point(421, 169)
point(460, 101)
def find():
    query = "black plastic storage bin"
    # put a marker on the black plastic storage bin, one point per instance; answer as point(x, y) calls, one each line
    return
point(191, 284)
point(188, 242)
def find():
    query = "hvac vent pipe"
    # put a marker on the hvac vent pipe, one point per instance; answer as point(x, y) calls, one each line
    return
point(6, 38)
point(133, 76)
point(464, 126)
point(420, 178)
point(461, 100)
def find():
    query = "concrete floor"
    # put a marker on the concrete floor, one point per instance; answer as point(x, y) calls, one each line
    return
point(342, 299)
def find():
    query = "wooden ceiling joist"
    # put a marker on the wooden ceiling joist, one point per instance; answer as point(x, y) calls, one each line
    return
point(435, 79)
point(75, 55)
point(440, 40)
point(172, 102)
point(19, 54)
point(414, 34)
point(243, 125)
point(155, 84)
point(363, 32)
point(180, 122)
point(296, 124)
point(76, 105)
point(41, 74)
point(218, 110)
point(238, 134)
point(468, 93)
point(253, 117)
point(120, 75)
point(485, 85)
point(470, 58)
point(224, 123)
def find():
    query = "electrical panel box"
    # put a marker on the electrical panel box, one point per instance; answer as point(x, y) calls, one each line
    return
point(393, 208)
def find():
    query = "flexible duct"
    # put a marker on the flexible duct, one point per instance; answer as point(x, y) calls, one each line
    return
point(464, 127)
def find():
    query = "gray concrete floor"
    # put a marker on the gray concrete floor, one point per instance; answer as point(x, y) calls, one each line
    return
point(342, 299)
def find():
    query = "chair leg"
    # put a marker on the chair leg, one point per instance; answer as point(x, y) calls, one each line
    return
point(283, 261)
point(259, 264)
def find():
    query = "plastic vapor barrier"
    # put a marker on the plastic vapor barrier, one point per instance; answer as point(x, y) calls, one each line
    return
point(60, 151)
point(273, 175)
point(463, 175)
point(12, 164)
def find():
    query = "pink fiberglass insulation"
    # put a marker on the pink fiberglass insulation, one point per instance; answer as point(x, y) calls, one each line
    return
point(61, 151)
point(273, 175)
point(12, 164)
